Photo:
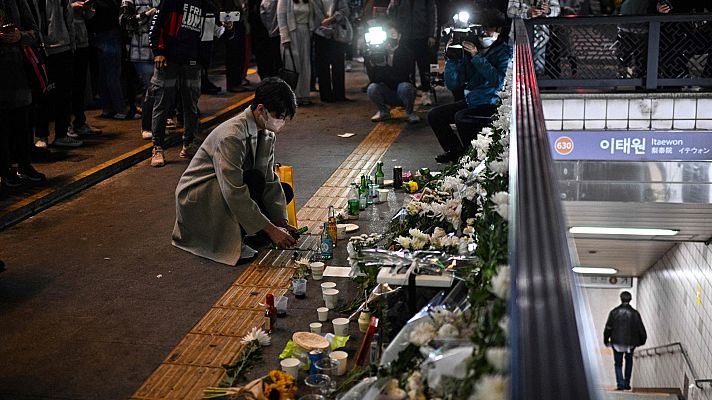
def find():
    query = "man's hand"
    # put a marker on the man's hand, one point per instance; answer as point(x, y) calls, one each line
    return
point(470, 48)
point(663, 8)
point(431, 42)
point(150, 12)
point(228, 25)
point(285, 224)
point(279, 236)
point(287, 45)
point(160, 62)
point(326, 22)
point(10, 38)
point(546, 8)
point(78, 4)
point(535, 12)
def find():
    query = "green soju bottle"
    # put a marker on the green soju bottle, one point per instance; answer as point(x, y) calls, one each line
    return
point(354, 200)
point(363, 194)
point(379, 176)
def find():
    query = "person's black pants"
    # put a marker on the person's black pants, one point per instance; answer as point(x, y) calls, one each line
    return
point(469, 122)
point(424, 56)
point(623, 377)
point(267, 55)
point(235, 56)
point(330, 68)
point(79, 86)
point(57, 102)
point(15, 138)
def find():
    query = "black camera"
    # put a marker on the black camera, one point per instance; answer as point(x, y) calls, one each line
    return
point(456, 36)
point(376, 53)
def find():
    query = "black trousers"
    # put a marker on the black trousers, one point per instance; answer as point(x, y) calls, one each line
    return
point(424, 56)
point(267, 55)
point(15, 138)
point(469, 122)
point(235, 56)
point(330, 68)
point(57, 102)
point(79, 86)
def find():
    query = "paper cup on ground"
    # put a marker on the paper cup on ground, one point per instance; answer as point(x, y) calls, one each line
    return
point(342, 358)
point(382, 195)
point(290, 366)
point(327, 285)
point(330, 297)
point(341, 326)
point(317, 269)
point(341, 231)
point(323, 313)
point(315, 327)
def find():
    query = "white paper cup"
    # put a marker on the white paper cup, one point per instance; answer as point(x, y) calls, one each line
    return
point(315, 327)
point(382, 195)
point(323, 313)
point(291, 366)
point(327, 285)
point(342, 358)
point(317, 269)
point(330, 297)
point(341, 326)
point(341, 231)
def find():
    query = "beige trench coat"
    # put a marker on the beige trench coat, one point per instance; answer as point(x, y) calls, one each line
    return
point(212, 203)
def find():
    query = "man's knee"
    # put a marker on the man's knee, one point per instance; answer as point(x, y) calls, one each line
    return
point(374, 91)
point(406, 90)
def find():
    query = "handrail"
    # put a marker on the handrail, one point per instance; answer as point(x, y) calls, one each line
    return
point(646, 352)
point(545, 305)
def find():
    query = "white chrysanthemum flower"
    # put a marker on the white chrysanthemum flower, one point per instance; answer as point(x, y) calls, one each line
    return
point(403, 242)
point(422, 334)
point(491, 387)
point(450, 241)
point(448, 331)
point(438, 233)
point(465, 159)
point(414, 207)
point(463, 246)
point(418, 234)
point(482, 145)
point(504, 325)
point(498, 357)
point(471, 165)
point(418, 243)
point(470, 193)
point(452, 184)
point(486, 132)
point(469, 230)
point(501, 204)
point(499, 167)
point(500, 282)
point(463, 174)
point(470, 221)
point(257, 334)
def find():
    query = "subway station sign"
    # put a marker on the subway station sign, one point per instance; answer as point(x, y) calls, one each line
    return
point(631, 145)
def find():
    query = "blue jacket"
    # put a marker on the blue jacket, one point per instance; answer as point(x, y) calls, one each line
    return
point(482, 76)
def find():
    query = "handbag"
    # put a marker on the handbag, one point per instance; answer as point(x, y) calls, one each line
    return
point(291, 76)
point(36, 69)
point(341, 31)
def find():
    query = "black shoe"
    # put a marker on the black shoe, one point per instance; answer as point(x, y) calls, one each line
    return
point(627, 387)
point(2, 266)
point(619, 388)
point(343, 100)
point(238, 89)
point(207, 87)
point(29, 173)
point(447, 157)
point(11, 180)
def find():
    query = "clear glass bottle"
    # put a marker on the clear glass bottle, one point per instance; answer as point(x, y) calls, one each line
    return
point(327, 245)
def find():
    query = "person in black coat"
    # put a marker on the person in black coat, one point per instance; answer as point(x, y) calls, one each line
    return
point(624, 332)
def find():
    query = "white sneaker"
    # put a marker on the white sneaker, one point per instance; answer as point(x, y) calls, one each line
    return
point(425, 99)
point(41, 143)
point(68, 142)
point(71, 133)
point(146, 135)
point(157, 159)
point(381, 116)
point(348, 67)
point(412, 118)
point(247, 252)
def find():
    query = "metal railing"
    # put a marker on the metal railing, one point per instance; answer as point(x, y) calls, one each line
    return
point(551, 351)
point(648, 52)
point(671, 348)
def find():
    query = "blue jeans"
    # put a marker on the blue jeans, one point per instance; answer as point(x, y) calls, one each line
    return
point(144, 70)
point(164, 85)
point(108, 52)
point(383, 96)
point(623, 381)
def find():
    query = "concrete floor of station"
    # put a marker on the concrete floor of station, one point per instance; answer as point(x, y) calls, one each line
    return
point(95, 297)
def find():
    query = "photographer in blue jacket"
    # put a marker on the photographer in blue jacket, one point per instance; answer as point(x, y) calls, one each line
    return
point(478, 64)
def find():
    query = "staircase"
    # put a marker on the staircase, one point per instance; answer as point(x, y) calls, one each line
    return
point(615, 395)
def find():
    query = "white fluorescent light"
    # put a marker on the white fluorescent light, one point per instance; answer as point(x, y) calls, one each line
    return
point(594, 270)
point(596, 230)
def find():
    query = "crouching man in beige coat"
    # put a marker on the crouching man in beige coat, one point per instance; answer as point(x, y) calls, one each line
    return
point(230, 188)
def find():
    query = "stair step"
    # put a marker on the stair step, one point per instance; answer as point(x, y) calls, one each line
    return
point(615, 395)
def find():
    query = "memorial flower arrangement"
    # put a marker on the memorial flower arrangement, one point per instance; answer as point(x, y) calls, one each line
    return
point(462, 212)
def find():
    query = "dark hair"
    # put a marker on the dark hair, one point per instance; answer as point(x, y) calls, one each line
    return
point(303, 1)
point(276, 96)
point(489, 17)
point(626, 297)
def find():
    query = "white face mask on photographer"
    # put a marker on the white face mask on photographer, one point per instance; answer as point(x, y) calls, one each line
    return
point(273, 124)
point(487, 41)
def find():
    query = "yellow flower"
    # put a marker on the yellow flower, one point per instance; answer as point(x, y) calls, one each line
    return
point(412, 186)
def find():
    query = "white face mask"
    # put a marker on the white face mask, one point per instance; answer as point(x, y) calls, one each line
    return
point(273, 124)
point(487, 41)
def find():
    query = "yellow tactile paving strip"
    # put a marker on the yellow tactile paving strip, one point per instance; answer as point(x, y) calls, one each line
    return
point(196, 362)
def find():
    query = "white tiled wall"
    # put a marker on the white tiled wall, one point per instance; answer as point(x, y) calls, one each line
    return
point(668, 302)
point(628, 112)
